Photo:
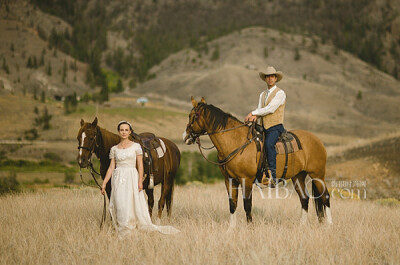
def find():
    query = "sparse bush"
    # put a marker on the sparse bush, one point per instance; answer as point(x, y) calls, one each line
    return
point(296, 54)
point(52, 157)
point(119, 87)
point(49, 69)
point(86, 97)
point(31, 134)
point(43, 97)
point(42, 34)
point(44, 119)
point(359, 95)
point(314, 46)
point(9, 184)
point(39, 181)
point(265, 52)
point(132, 83)
point(5, 66)
point(194, 167)
point(69, 176)
point(215, 54)
point(70, 103)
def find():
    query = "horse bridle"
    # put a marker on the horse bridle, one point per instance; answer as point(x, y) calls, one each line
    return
point(196, 138)
point(91, 150)
point(192, 134)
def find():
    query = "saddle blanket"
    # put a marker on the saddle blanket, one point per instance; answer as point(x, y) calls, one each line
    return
point(160, 150)
point(292, 145)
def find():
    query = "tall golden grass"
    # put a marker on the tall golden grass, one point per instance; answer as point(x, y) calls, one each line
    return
point(62, 227)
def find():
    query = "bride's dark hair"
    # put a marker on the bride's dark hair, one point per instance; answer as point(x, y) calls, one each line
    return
point(124, 122)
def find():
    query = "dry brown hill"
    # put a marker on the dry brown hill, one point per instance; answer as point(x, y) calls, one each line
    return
point(322, 84)
point(374, 162)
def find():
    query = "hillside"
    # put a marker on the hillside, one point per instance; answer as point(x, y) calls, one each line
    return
point(375, 162)
point(52, 49)
point(321, 85)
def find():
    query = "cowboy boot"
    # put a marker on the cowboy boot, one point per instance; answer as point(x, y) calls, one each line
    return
point(268, 181)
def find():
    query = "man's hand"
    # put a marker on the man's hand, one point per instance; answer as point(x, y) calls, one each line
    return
point(250, 117)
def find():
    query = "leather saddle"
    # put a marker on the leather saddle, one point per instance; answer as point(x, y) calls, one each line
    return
point(287, 143)
point(149, 143)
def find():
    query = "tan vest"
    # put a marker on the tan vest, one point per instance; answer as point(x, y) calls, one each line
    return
point(275, 118)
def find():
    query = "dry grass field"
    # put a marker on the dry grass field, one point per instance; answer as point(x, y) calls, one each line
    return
point(62, 227)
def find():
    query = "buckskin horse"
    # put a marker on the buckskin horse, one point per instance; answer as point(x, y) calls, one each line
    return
point(94, 139)
point(238, 156)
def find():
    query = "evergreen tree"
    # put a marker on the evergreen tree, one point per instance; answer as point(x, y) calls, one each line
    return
point(46, 119)
point(41, 62)
point(215, 54)
point(119, 87)
point(104, 93)
point(34, 62)
point(49, 69)
point(35, 93)
point(43, 97)
point(5, 66)
point(29, 64)
point(65, 69)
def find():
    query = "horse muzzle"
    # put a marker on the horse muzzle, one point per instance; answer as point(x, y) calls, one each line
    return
point(82, 162)
point(187, 138)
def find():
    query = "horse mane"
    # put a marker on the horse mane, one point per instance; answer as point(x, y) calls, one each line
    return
point(217, 117)
point(104, 136)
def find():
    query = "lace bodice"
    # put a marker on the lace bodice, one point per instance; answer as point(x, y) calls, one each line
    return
point(125, 157)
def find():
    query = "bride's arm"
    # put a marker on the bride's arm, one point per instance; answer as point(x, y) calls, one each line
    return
point(108, 175)
point(139, 163)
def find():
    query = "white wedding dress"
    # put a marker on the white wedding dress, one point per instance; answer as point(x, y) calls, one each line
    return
point(128, 206)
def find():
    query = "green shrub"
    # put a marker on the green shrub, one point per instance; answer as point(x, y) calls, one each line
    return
point(39, 181)
point(69, 176)
point(52, 157)
point(194, 167)
point(215, 54)
point(9, 184)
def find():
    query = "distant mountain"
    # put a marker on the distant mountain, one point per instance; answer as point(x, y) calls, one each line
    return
point(131, 37)
point(171, 50)
point(328, 91)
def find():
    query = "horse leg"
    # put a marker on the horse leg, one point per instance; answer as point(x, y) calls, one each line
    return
point(161, 202)
point(232, 187)
point(150, 200)
point(170, 193)
point(300, 187)
point(103, 171)
point(321, 198)
point(247, 186)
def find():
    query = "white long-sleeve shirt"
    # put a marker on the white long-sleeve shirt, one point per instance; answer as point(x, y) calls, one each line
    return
point(278, 100)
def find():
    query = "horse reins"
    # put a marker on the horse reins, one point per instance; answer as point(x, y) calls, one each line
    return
point(231, 155)
point(92, 171)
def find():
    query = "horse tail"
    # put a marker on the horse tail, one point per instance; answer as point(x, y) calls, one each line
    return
point(174, 161)
point(318, 201)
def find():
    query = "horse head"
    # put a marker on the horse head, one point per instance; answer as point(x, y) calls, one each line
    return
point(196, 125)
point(87, 137)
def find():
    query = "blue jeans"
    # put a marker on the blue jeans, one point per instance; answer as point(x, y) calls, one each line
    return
point(271, 137)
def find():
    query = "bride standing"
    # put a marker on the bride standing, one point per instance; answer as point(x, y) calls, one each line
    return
point(128, 206)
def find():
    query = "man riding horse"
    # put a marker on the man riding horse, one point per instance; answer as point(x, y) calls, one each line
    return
point(270, 112)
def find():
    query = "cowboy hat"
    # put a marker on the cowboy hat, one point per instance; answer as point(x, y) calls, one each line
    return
point(271, 71)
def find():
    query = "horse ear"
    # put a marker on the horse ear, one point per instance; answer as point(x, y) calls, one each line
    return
point(194, 102)
point(94, 123)
point(82, 122)
point(203, 100)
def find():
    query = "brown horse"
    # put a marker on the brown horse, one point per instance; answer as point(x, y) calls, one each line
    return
point(228, 134)
point(93, 139)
